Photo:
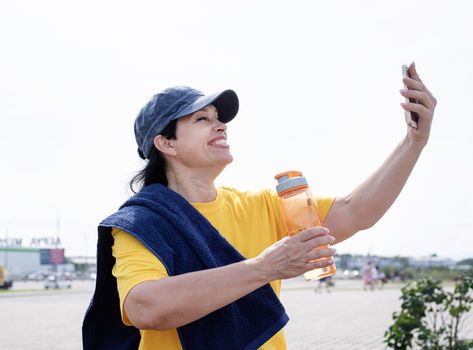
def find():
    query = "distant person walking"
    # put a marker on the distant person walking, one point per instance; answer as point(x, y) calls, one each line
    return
point(374, 276)
point(382, 277)
point(326, 282)
point(367, 276)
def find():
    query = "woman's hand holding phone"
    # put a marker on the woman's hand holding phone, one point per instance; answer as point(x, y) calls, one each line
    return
point(419, 105)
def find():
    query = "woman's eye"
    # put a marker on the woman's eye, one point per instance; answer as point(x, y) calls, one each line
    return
point(201, 118)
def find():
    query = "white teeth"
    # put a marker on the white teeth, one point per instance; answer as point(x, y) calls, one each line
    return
point(220, 142)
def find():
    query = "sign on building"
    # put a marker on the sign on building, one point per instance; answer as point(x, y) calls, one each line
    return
point(51, 256)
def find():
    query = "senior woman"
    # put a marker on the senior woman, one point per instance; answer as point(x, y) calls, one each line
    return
point(186, 265)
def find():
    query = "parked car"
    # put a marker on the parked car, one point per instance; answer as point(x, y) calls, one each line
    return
point(57, 282)
point(5, 282)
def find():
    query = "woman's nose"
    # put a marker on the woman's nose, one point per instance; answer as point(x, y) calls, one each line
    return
point(219, 126)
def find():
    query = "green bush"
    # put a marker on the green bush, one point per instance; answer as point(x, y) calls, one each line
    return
point(430, 317)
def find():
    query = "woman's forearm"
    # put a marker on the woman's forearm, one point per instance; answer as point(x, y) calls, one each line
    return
point(369, 201)
point(364, 206)
point(175, 301)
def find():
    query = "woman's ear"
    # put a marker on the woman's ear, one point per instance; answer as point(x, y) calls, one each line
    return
point(164, 145)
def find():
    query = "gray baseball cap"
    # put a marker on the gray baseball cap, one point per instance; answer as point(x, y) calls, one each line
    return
point(174, 103)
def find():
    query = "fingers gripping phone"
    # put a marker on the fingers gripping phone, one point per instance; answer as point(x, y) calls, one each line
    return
point(411, 117)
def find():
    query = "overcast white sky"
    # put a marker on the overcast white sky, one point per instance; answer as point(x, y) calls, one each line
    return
point(318, 84)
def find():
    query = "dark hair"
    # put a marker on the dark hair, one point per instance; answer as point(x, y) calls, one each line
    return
point(155, 170)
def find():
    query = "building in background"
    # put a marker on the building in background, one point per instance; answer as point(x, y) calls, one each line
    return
point(42, 257)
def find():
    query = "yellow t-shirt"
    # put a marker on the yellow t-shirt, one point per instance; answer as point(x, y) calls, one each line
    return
point(250, 221)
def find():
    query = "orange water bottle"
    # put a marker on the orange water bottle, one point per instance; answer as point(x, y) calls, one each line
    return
point(300, 211)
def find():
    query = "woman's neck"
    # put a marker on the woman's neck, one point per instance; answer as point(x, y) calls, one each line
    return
point(195, 189)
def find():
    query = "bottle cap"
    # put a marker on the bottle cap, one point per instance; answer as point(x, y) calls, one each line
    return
point(289, 180)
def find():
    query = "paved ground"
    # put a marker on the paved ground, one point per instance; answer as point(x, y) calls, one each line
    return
point(346, 318)
point(40, 320)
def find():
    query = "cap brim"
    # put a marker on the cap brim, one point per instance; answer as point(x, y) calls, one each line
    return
point(226, 102)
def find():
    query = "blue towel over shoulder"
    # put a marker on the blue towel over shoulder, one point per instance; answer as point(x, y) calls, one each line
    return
point(184, 241)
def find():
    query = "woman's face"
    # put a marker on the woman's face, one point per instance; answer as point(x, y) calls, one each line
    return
point(201, 140)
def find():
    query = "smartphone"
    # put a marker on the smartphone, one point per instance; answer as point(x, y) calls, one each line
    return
point(411, 117)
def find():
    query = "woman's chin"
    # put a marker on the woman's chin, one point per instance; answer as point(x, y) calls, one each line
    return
point(224, 161)
point(230, 159)
point(225, 157)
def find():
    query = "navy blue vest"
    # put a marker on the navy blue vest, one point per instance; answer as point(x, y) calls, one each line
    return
point(184, 241)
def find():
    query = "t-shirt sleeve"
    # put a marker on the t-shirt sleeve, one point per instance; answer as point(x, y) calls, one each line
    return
point(324, 204)
point(134, 264)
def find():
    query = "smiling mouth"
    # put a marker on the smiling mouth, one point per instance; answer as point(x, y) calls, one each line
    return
point(219, 143)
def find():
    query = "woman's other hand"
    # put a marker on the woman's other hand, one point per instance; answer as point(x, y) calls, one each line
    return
point(293, 256)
